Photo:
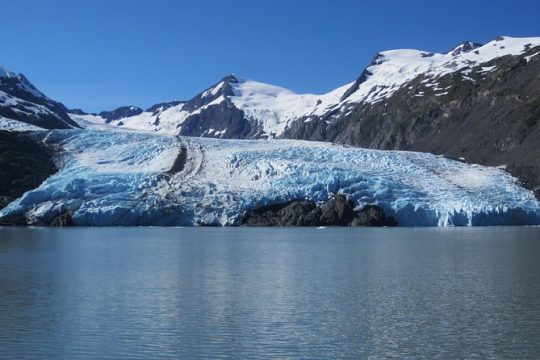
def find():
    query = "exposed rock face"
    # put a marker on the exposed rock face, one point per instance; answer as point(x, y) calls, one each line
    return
point(24, 165)
point(157, 108)
point(338, 211)
point(222, 116)
point(179, 162)
point(225, 119)
point(465, 47)
point(372, 215)
point(14, 221)
point(77, 112)
point(490, 117)
point(296, 213)
point(120, 113)
point(62, 220)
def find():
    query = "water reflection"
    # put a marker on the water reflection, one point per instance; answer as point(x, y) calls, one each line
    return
point(247, 293)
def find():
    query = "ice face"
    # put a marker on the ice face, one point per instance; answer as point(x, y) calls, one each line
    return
point(122, 178)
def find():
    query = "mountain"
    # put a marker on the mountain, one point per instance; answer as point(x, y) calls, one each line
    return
point(477, 103)
point(20, 100)
point(238, 107)
point(234, 108)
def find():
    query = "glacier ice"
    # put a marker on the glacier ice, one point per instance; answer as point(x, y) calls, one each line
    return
point(122, 178)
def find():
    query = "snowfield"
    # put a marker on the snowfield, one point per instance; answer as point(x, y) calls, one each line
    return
point(123, 178)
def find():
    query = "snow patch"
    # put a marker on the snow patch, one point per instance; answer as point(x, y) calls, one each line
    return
point(15, 125)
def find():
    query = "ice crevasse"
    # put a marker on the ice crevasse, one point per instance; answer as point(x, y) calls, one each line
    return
point(130, 178)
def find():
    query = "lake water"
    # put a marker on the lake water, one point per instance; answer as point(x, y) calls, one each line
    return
point(269, 293)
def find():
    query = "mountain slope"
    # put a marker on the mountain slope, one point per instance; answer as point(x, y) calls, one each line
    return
point(20, 100)
point(485, 112)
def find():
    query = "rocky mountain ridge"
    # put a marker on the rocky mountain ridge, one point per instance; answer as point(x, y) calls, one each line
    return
point(21, 101)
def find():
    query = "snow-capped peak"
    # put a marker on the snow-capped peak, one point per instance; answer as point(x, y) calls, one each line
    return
point(464, 47)
point(393, 68)
point(214, 90)
point(22, 84)
point(274, 107)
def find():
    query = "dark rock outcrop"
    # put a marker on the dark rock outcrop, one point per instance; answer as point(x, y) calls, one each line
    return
point(338, 211)
point(157, 108)
point(62, 220)
point(179, 162)
point(465, 47)
point(19, 220)
point(220, 120)
point(27, 104)
point(221, 117)
point(120, 113)
point(24, 165)
point(371, 215)
point(295, 213)
point(77, 112)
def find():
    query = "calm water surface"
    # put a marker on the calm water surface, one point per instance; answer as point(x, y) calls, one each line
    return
point(269, 293)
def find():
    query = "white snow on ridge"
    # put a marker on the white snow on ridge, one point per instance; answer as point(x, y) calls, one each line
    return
point(274, 106)
point(394, 68)
point(118, 178)
point(22, 106)
point(169, 121)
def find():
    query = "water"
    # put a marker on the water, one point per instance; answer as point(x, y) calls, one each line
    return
point(270, 293)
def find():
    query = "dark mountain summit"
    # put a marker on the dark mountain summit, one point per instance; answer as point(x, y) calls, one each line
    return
point(20, 100)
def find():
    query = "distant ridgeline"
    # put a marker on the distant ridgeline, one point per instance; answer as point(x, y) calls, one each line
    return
point(477, 104)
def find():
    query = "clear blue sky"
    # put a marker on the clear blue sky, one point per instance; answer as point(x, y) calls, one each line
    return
point(102, 54)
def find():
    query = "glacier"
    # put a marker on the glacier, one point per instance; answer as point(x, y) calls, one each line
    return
point(130, 178)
